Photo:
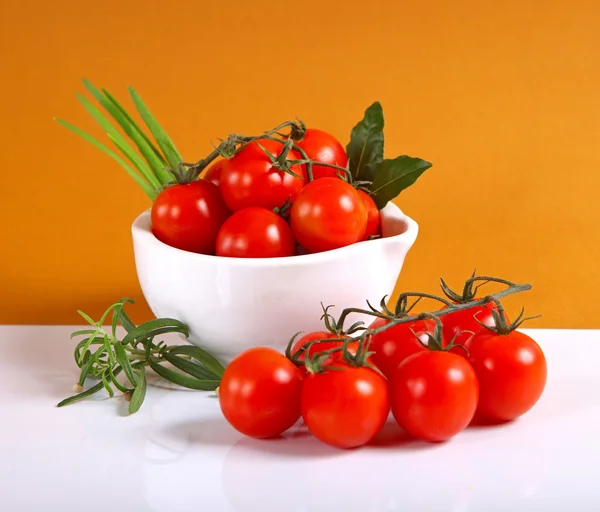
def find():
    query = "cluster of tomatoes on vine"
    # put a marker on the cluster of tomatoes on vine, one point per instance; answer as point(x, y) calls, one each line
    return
point(437, 372)
point(269, 196)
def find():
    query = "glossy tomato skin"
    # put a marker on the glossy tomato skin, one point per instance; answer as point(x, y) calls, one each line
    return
point(320, 347)
point(327, 214)
point(434, 395)
point(255, 233)
point(394, 345)
point(249, 178)
point(346, 407)
point(321, 146)
point(373, 215)
point(189, 216)
point(260, 393)
point(511, 370)
point(466, 320)
point(213, 172)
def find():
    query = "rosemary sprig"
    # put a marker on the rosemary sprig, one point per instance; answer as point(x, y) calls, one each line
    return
point(103, 356)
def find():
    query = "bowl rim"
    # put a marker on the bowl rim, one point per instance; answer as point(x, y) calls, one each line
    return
point(141, 229)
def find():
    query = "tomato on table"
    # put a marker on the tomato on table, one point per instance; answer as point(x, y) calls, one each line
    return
point(321, 146)
point(260, 393)
point(434, 394)
point(255, 233)
point(511, 369)
point(395, 344)
point(307, 344)
point(457, 322)
point(327, 214)
point(345, 407)
point(250, 178)
point(189, 216)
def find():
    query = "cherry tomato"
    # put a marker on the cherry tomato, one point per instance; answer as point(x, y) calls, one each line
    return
point(328, 213)
point(189, 216)
point(249, 179)
point(320, 347)
point(373, 215)
point(255, 233)
point(511, 370)
point(466, 320)
point(434, 395)
point(260, 393)
point(394, 345)
point(213, 172)
point(323, 147)
point(345, 407)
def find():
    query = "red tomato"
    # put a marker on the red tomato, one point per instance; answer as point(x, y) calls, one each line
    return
point(260, 393)
point(213, 172)
point(373, 216)
point(320, 347)
point(345, 407)
point(393, 346)
point(434, 395)
point(511, 370)
point(466, 320)
point(249, 179)
point(320, 146)
point(255, 233)
point(327, 214)
point(189, 216)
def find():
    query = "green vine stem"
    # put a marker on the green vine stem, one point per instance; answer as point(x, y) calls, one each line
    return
point(451, 308)
point(236, 142)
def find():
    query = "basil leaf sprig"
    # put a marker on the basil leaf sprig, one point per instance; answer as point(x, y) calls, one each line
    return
point(103, 356)
point(383, 179)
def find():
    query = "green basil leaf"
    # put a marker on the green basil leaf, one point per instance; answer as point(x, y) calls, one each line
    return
point(189, 367)
point(88, 342)
point(139, 393)
point(107, 385)
point(365, 150)
point(184, 380)
point(155, 327)
point(108, 348)
point(85, 368)
point(124, 362)
point(87, 318)
point(116, 313)
point(79, 359)
point(113, 378)
point(141, 182)
point(81, 332)
point(393, 176)
point(84, 394)
point(200, 355)
point(125, 321)
point(163, 140)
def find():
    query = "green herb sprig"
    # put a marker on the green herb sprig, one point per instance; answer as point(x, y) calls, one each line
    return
point(102, 355)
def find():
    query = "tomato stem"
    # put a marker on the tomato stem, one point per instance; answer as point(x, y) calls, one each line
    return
point(450, 308)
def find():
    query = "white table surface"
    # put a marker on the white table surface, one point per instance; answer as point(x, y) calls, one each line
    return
point(177, 454)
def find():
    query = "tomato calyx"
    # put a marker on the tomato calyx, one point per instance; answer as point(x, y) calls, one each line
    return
point(470, 288)
point(502, 325)
point(297, 131)
point(435, 341)
point(281, 162)
point(341, 335)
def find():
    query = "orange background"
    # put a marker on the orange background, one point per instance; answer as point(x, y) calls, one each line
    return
point(503, 98)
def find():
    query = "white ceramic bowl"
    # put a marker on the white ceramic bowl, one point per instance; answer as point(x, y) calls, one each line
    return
point(231, 304)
